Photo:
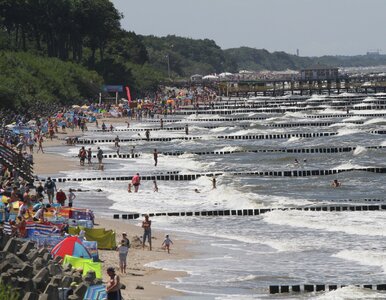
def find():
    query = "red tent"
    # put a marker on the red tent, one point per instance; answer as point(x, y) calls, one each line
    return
point(71, 245)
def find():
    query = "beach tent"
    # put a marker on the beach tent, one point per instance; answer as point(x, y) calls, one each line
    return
point(93, 266)
point(70, 246)
point(104, 238)
point(85, 264)
point(76, 262)
point(96, 292)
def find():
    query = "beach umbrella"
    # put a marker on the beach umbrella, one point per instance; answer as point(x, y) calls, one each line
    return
point(96, 292)
point(71, 245)
point(85, 106)
point(75, 106)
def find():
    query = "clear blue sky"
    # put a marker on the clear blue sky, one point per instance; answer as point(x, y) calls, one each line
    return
point(315, 27)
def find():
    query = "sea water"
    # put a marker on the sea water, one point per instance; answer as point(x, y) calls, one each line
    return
point(240, 257)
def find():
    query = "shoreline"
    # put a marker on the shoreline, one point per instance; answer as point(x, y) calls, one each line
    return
point(138, 274)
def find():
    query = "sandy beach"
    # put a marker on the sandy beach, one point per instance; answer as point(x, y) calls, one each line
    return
point(140, 281)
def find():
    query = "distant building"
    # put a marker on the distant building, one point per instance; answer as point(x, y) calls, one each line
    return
point(196, 78)
point(319, 72)
point(372, 53)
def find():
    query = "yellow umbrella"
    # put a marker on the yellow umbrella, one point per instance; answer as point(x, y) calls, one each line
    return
point(85, 106)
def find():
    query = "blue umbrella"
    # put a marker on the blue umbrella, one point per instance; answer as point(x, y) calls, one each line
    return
point(95, 292)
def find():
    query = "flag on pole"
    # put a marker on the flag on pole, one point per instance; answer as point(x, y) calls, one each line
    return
point(128, 94)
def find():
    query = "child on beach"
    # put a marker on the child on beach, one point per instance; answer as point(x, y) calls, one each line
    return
point(123, 250)
point(166, 243)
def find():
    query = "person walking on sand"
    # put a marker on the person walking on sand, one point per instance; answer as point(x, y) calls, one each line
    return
point(155, 155)
point(113, 285)
point(123, 250)
point(40, 144)
point(136, 181)
point(166, 243)
point(147, 134)
point(146, 225)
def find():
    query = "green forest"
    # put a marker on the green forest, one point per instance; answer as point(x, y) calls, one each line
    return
point(63, 51)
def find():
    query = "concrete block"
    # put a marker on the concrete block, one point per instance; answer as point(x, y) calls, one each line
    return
point(40, 280)
point(31, 296)
point(52, 291)
point(81, 290)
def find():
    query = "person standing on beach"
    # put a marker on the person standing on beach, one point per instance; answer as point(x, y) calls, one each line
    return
point(162, 123)
point(147, 134)
point(136, 181)
point(61, 197)
point(113, 286)
point(40, 190)
point(146, 225)
point(71, 197)
point(50, 189)
point(40, 144)
point(123, 250)
point(186, 129)
point(155, 154)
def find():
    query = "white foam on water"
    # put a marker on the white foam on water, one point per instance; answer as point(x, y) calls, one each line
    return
point(347, 131)
point(359, 150)
point(229, 148)
point(349, 165)
point(364, 257)
point(293, 139)
point(350, 293)
point(219, 129)
point(331, 222)
point(242, 278)
point(354, 118)
point(378, 121)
